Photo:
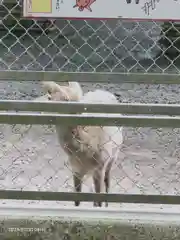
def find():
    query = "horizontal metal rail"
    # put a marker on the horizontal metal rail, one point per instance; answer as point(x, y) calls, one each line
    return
point(75, 107)
point(92, 120)
point(89, 197)
point(101, 77)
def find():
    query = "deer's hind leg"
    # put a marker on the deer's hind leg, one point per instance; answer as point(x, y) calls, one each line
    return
point(77, 178)
point(98, 179)
point(107, 179)
point(97, 185)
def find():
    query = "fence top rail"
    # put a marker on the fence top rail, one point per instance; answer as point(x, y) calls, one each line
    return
point(76, 107)
point(92, 119)
point(94, 77)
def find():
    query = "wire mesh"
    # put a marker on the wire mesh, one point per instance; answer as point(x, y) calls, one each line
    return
point(86, 46)
point(34, 160)
point(148, 161)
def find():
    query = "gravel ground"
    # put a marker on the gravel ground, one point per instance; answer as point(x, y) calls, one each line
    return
point(149, 162)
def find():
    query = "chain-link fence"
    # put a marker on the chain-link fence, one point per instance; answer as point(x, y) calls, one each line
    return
point(87, 46)
point(31, 158)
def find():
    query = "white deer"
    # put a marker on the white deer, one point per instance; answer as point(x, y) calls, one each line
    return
point(91, 149)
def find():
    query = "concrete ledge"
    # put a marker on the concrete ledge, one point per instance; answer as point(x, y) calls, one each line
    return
point(34, 222)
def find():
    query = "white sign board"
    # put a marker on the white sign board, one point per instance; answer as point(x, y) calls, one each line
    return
point(103, 9)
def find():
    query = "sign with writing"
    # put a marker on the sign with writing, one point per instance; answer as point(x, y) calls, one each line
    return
point(103, 9)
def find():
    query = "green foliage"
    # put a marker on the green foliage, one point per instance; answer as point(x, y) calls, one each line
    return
point(97, 230)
